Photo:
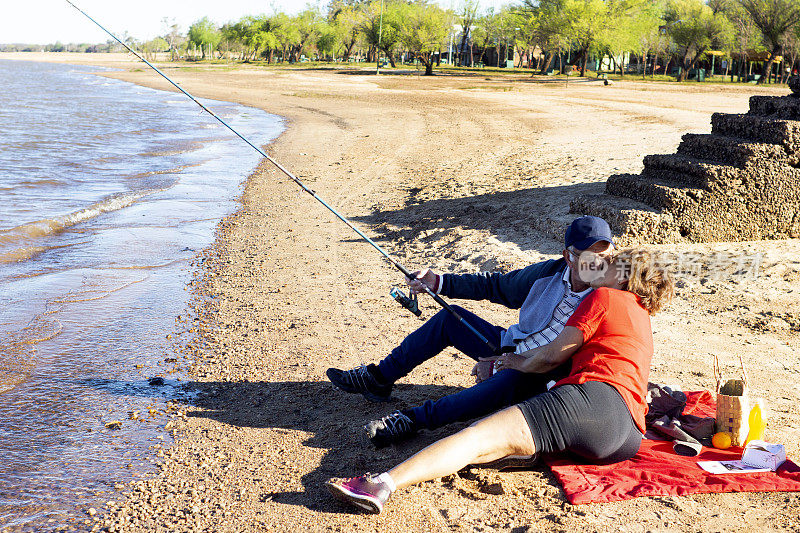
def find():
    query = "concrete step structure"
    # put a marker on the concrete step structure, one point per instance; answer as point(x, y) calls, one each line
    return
point(776, 108)
point(664, 195)
point(741, 182)
point(688, 170)
point(640, 222)
point(741, 153)
point(758, 129)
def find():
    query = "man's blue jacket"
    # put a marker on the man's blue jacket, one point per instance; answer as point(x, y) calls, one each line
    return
point(509, 289)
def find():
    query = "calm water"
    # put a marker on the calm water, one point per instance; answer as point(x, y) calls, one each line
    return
point(107, 191)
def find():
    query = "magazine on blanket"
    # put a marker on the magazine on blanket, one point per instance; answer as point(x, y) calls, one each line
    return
point(730, 467)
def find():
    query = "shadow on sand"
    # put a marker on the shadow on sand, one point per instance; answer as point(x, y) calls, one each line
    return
point(511, 216)
point(330, 417)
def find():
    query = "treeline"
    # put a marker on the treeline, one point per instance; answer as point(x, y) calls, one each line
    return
point(345, 31)
point(652, 36)
point(111, 46)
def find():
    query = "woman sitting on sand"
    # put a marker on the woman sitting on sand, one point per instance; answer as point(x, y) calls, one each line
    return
point(596, 412)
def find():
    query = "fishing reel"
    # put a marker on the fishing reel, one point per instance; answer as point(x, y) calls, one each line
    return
point(409, 303)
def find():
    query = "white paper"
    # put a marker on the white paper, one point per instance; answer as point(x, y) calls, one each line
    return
point(729, 467)
point(762, 454)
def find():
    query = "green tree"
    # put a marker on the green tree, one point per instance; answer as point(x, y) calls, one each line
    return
point(345, 20)
point(382, 32)
point(527, 38)
point(694, 27)
point(652, 41)
point(791, 51)
point(234, 35)
point(508, 32)
point(174, 38)
point(547, 25)
point(744, 35)
point(486, 31)
point(306, 28)
point(774, 18)
point(588, 22)
point(263, 35)
point(151, 47)
point(204, 34)
point(466, 16)
point(631, 25)
point(422, 30)
point(286, 33)
point(327, 40)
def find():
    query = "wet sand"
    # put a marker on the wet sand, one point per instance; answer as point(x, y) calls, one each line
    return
point(461, 174)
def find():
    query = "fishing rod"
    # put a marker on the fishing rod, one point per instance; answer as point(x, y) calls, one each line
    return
point(397, 294)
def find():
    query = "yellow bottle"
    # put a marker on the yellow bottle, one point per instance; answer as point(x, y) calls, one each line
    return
point(758, 423)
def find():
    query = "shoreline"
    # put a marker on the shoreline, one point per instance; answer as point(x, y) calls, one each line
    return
point(210, 181)
point(292, 292)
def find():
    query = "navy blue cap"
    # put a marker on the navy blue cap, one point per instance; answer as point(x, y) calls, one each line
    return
point(585, 231)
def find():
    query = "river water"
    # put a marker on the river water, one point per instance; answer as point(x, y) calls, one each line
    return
point(107, 192)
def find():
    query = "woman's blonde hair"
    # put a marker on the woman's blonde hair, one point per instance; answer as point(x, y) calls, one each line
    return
point(648, 277)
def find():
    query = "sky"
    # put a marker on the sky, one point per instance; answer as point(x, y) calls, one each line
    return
point(48, 21)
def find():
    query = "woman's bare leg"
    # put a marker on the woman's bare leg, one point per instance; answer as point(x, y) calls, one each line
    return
point(494, 437)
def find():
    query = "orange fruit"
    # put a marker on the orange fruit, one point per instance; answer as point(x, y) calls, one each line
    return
point(721, 440)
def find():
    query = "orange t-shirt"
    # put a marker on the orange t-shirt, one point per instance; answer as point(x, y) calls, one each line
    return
point(617, 347)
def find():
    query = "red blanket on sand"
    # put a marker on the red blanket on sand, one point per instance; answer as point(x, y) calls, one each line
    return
point(658, 471)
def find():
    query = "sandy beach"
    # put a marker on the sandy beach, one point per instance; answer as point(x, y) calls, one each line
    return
point(461, 174)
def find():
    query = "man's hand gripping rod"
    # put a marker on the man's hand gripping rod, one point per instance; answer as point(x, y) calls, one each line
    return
point(438, 299)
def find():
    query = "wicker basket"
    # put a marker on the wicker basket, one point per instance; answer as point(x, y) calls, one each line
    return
point(733, 405)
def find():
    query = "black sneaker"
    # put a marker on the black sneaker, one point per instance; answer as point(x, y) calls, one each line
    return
point(366, 492)
point(360, 380)
point(390, 429)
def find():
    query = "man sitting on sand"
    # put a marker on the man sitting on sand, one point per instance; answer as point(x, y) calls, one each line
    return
point(546, 294)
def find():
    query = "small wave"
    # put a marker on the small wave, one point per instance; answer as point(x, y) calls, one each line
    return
point(145, 131)
point(18, 349)
point(30, 231)
point(156, 173)
point(34, 184)
point(108, 205)
point(164, 153)
point(178, 148)
point(88, 293)
point(25, 233)
point(24, 253)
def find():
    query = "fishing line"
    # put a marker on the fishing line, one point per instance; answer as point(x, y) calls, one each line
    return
point(408, 303)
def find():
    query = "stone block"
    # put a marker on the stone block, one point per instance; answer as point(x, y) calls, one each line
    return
point(729, 150)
